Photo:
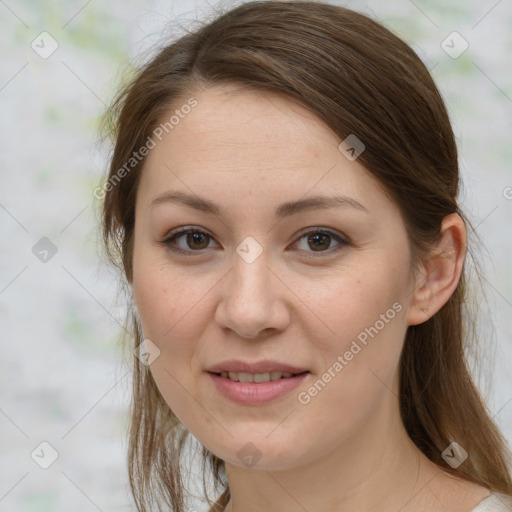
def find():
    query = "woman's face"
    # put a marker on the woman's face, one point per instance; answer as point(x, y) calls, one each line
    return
point(322, 289)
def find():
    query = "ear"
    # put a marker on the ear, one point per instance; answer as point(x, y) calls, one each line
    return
point(440, 271)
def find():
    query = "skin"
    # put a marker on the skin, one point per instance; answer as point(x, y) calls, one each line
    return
point(347, 449)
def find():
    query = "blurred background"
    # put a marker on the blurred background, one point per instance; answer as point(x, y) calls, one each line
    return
point(64, 377)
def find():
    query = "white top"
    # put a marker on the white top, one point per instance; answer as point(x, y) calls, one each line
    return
point(496, 502)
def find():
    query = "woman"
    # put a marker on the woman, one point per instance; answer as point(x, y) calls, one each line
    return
point(282, 201)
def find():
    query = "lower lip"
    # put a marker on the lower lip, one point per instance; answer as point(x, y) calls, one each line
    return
point(256, 393)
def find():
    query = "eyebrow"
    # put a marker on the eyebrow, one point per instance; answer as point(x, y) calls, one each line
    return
point(284, 210)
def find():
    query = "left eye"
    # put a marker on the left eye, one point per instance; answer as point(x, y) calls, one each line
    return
point(320, 240)
point(198, 240)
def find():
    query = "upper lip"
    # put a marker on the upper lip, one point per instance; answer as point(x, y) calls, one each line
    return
point(266, 366)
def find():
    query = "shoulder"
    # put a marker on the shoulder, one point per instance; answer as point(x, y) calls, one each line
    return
point(496, 502)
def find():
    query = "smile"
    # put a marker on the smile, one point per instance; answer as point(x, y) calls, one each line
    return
point(256, 389)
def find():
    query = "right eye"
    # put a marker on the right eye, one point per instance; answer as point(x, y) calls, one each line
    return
point(194, 238)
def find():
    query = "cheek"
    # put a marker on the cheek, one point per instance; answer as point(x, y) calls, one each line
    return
point(165, 304)
point(352, 300)
point(362, 329)
point(163, 294)
point(168, 303)
point(154, 303)
point(174, 311)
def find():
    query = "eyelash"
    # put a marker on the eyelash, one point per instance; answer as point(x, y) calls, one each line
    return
point(169, 241)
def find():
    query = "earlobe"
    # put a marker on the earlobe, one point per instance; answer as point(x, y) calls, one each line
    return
point(441, 271)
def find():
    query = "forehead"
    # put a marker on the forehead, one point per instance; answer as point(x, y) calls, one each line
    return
point(240, 144)
point(240, 123)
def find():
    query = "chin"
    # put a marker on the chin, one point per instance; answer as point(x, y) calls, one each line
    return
point(262, 454)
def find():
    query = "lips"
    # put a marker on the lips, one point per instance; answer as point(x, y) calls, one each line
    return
point(265, 366)
point(253, 393)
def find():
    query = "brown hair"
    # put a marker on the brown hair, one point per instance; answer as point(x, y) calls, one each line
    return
point(359, 78)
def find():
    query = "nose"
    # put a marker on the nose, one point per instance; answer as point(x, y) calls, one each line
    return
point(253, 299)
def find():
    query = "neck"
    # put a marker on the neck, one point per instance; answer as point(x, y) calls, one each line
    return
point(378, 468)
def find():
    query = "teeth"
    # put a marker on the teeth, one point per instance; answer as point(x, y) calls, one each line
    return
point(255, 377)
